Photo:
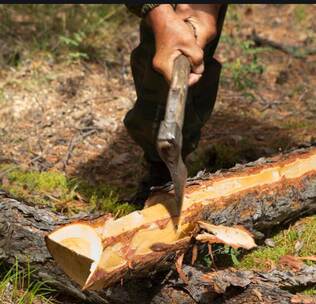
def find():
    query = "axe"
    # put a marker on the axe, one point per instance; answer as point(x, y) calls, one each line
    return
point(169, 140)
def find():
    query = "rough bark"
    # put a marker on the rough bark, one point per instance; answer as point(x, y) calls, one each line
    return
point(22, 231)
point(258, 196)
point(233, 287)
point(23, 227)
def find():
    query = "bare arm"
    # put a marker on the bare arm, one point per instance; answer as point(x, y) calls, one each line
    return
point(204, 19)
point(173, 36)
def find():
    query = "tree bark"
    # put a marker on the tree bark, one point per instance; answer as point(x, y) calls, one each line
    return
point(257, 207)
point(236, 287)
point(258, 196)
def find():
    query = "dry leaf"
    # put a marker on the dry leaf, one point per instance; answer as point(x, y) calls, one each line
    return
point(302, 299)
point(291, 261)
point(180, 271)
point(235, 237)
point(298, 246)
point(208, 238)
point(194, 254)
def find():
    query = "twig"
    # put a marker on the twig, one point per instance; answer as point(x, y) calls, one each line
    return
point(76, 140)
point(295, 51)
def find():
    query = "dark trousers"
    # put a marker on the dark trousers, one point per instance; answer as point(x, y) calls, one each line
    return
point(143, 120)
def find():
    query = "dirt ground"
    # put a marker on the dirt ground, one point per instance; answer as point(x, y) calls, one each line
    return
point(66, 116)
point(69, 116)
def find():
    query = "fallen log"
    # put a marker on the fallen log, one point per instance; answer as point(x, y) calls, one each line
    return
point(231, 286)
point(259, 196)
point(22, 231)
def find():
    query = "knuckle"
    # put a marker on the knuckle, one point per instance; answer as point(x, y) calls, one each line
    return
point(156, 64)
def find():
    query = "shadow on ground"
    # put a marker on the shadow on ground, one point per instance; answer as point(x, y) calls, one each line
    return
point(227, 139)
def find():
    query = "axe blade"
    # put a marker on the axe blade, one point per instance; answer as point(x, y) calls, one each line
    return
point(169, 146)
point(169, 140)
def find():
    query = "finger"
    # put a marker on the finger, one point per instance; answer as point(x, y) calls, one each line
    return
point(194, 78)
point(195, 54)
point(199, 69)
point(163, 63)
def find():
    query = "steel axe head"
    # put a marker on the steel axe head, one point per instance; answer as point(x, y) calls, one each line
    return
point(169, 146)
point(169, 140)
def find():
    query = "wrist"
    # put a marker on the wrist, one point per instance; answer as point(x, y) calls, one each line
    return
point(159, 16)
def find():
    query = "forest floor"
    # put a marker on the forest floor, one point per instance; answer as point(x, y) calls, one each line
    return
point(62, 138)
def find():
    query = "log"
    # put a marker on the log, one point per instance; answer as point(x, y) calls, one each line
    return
point(259, 196)
point(230, 286)
point(22, 231)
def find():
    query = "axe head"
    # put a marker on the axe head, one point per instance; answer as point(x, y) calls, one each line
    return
point(169, 146)
point(169, 140)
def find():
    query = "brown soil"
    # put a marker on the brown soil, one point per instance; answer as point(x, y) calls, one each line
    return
point(68, 117)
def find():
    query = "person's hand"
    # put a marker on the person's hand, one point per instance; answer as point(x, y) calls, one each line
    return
point(173, 36)
point(203, 17)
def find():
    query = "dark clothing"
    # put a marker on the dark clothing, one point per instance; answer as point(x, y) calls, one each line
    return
point(142, 9)
point(143, 120)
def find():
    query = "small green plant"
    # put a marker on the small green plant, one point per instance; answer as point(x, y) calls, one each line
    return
point(75, 43)
point(17, 287)
point(243, 70)
point(234, 256)
point(51, 31)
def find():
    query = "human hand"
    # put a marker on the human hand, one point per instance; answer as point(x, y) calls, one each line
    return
point(203, 18)
point(173, 36)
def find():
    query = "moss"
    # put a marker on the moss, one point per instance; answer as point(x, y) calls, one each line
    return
point(60, 192)
point(285, 241)
point(103, 197)
point(310, 291)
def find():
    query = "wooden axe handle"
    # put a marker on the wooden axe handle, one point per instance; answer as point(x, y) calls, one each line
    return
point(175, 108)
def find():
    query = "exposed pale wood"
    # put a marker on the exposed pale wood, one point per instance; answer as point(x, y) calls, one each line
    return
point(23, 227)
point(258, 196)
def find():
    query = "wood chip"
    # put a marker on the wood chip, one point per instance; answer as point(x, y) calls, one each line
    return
point(194, 254)
point(236, 237)
point(292, 262)
point(303, 299)
point(308, 258)
point(180, 271)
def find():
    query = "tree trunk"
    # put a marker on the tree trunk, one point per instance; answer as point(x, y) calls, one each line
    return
point(260, 196)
